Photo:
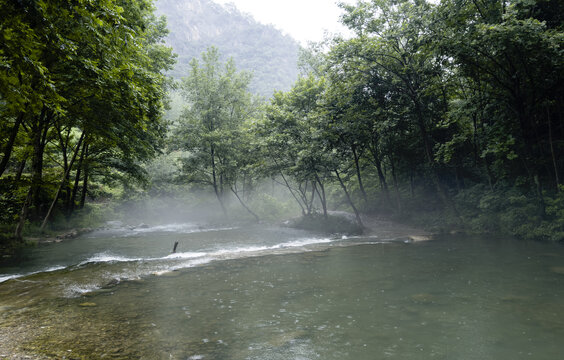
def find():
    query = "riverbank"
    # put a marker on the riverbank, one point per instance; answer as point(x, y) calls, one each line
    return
point(10, 247)
point(392, 229)
point(343, 223)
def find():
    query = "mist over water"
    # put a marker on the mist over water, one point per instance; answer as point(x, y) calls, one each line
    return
point(239, 291)
point(122, 252)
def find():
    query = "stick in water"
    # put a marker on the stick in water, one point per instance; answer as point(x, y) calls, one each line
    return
point(174, 248)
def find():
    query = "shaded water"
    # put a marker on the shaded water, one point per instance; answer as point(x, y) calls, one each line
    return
point(277, 293)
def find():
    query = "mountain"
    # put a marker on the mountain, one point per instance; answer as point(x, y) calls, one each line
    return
point(195, 25)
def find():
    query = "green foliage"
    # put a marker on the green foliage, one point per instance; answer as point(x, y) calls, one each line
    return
point(508, 210)
point(293, 144)
point(449, 114)
point(455, 104)
point(211, 129)
point(272, 208)
point(93, 216)
point(552, 226)
point(82, 94)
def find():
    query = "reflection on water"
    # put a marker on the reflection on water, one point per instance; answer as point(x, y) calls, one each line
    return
point(271, 293)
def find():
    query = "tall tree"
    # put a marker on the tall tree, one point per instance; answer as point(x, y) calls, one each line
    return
point(292, 142)
point(510, 60)
point(91, 68)
point(392, 48)
point(218, 103)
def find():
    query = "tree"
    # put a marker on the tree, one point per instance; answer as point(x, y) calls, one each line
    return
point(210, 130)
point(510, 60)
point(292, 144)
point(402, 74)
point(95, 69)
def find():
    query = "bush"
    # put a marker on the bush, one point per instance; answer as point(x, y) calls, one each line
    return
point(510, 211)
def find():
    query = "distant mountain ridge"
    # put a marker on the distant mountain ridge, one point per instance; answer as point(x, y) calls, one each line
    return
point(195, 25)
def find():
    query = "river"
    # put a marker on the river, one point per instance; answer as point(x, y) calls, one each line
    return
point(270, 292)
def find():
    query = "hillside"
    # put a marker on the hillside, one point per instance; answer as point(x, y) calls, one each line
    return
point(196, 25)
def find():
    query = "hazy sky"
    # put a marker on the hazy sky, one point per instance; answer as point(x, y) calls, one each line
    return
point(304, 20)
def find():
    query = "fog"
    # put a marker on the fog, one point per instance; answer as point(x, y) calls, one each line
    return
point(271, 202)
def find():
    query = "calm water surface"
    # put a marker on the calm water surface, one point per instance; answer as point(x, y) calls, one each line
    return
point(275, 293)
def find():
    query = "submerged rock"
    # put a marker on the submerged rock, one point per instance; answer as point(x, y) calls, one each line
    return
point(169, 274)
point(417, 238)
point(87, 304)
point(110, 284)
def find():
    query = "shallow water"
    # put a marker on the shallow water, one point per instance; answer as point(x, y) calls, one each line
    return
point(277, 293)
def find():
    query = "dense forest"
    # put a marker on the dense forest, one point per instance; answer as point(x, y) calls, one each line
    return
point(449, 115)
point(82, 97)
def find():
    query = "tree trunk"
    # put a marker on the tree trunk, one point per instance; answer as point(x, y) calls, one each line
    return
point(542, 203)
point(529, 160)
point(64, 144)
point(396, 186)
point(36, 161)
point(85, 180)
point(20, 170)
point(303, 196)
point(63, 182)
point(313, 189)
point(214, 180)
point(39, 142)
point(10, 144)
point(38, 138)
point(72, 202)
point(475, 140)
point(292, 192)
point(491, 179)
point(244, 205)
point(358, 175)
point(23, 215)
point(356, 213)
point(554, 163)
point(322, 196)
point(381, 177)
point(287, 185)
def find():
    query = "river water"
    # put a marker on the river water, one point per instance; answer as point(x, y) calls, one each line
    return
point(269, 292)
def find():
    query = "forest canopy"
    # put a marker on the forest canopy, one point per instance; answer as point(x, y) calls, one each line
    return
point(82, 95)
point(449, 114)
point(460, 102)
